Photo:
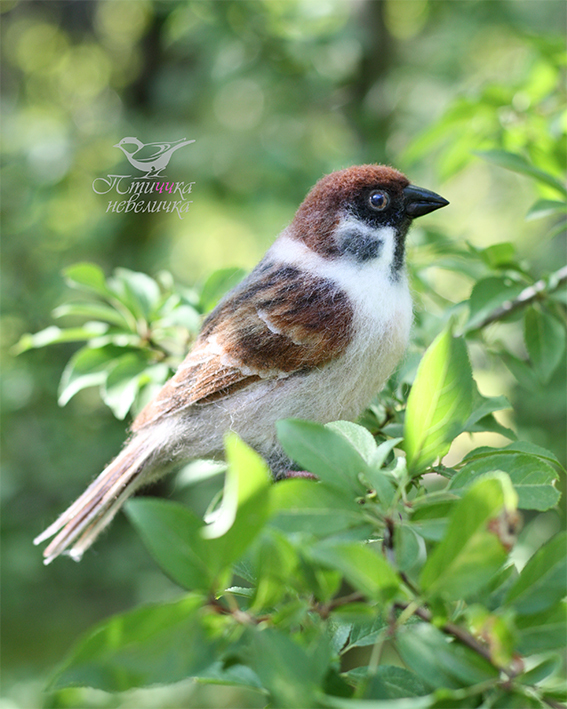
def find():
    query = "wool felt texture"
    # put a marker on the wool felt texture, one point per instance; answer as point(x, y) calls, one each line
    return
point(313, 333)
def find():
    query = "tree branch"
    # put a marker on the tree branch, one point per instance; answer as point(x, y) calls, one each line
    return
point(527, 296)
point(552, 703)
point(462, 635)
point(325, 610)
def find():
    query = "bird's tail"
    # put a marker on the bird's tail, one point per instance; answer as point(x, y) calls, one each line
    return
point(77, 528)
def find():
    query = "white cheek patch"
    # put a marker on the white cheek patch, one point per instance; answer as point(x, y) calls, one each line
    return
point(294, 252)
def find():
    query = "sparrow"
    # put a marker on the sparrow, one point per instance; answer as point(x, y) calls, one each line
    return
point(150, 158)
point(313, 332)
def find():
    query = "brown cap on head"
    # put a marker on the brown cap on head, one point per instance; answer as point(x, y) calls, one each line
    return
point(331, 197)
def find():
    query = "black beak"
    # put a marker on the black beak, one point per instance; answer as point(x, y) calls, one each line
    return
point(419, 201)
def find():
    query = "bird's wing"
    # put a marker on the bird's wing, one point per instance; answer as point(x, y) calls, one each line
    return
point(151, 151)
point(280, 320)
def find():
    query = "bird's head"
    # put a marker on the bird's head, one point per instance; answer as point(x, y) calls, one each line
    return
point(362, 213)
point(129, 141)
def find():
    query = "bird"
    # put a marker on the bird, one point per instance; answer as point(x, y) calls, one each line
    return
point(150, 158)
point(313, 332)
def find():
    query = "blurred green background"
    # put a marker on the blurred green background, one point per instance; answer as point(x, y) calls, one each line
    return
point(275, 94)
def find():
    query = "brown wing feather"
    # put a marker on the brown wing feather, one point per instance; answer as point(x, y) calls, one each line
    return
point(278, 321)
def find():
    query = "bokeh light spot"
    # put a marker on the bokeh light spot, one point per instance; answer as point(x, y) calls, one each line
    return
point(239, 105)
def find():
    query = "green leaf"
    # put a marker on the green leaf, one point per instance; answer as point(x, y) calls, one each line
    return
point(558, 229)
point(245, 506)
point(517, 163)
point(366, 632)
point(516, 699)
point(221, 672)
point(522, 371)
point(359, 437)
point(88, 276)
point(493, 594)
point(383, 451)
point(277, 560)
point(123, 382)
point(339, 633)
point(430, 514)
point(546, 208)
point(390, 682)
point(487, 295)
point(407, 547)
point(151, 645)
point(87, 367)
point(440, 401)
point(471, 551)
point(533, 479)
point(481, 418)
point(137, 291)
point(543, 631)
point(516, 447)
point(217, 284)
point(285, 669)
point(366, 570)
point(541, 671)
point(482, 406)
point(182, 316)
point(498, 255)
point(99, 311)
point(382, 481)
point(544, 335)
point(172, 535)
point(305, 506)
point(543, 580)
point(440, 664)
point(53, 335)
point(383, 484)
point(489, 423)
point(324, 452)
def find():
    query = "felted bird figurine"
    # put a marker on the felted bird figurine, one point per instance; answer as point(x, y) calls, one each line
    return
point(150, 158)
point(313, 332)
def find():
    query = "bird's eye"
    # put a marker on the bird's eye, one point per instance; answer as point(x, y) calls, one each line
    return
point(378, 200)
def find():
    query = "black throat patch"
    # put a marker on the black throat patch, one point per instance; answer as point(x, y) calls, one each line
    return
point(360, 245)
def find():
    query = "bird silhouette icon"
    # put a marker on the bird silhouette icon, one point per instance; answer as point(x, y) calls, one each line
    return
point(150, 158)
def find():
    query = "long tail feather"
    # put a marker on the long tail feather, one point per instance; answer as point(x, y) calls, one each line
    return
point(77, 528)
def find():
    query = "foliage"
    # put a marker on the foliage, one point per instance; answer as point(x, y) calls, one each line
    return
point(276, 94)
point(285, 581)
point(142, 331)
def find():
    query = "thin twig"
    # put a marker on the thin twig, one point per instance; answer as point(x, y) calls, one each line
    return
point(239, 616)
point(461, 634)
point(448, 628)
point(527, 296)
point(409, 584)
point(552, 703)
point(327, 608)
